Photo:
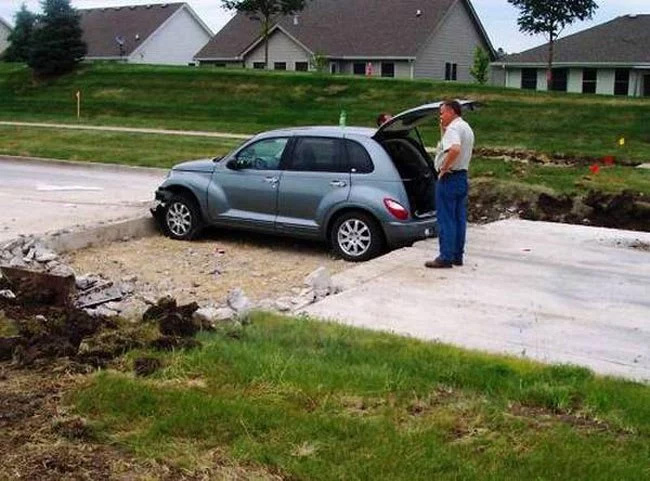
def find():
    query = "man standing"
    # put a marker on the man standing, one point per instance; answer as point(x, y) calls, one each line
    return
point(452, 163)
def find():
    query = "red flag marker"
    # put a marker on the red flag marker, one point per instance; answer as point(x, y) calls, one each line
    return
point(608, 160)
point(595, 168)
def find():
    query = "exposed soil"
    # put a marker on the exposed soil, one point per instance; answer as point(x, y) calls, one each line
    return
point(57, 346)
point(533, 157)
point(40, 441)
point(492, 200)
point(206, 269)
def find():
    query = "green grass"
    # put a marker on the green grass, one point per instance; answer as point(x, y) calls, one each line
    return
point(563, 180)
point(245, 101)
point(318, 401)
point(111, 147)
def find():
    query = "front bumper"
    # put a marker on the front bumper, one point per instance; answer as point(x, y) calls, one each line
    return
point(158, 209)
point(399, 234)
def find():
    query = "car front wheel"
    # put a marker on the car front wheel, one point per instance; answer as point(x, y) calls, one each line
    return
point(357, 237)
point(182, 218)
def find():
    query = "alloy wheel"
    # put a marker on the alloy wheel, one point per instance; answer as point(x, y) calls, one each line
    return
point(354, 237)
point(179, 219)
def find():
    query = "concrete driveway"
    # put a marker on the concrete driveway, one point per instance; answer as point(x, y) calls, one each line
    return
point(551, 292)
point(39, 197)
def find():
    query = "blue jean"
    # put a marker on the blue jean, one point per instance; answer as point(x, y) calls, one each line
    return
point(451, 207)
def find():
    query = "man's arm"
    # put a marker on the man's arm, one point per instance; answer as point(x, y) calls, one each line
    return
point(450, 159)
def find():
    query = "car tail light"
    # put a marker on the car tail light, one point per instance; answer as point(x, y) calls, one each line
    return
point(397, 209)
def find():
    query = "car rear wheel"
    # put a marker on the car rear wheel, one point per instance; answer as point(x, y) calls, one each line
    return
point(182, 219)
point(357, 237)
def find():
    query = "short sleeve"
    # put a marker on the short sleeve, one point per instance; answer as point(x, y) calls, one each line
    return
point(451, 137)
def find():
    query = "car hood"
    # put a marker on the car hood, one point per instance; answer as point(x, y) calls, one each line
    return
point(410, 119)
point(201, 165)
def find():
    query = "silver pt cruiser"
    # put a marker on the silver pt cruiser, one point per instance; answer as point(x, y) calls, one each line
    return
point(361, 189)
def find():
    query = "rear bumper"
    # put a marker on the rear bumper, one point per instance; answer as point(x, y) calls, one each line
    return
point(399, 234)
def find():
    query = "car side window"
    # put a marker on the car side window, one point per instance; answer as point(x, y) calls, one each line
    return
point(318, 154)
point(263, 155)
point(358, 158)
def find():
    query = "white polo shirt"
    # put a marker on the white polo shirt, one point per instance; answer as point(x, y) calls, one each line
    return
point(457, 132)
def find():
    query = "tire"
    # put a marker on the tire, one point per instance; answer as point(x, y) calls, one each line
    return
point(357, 237)
point(181, 218)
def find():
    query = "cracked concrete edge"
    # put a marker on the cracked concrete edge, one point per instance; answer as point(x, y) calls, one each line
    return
point(154, 171)
point(138, 227)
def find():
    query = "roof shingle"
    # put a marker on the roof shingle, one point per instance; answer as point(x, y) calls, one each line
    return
point(623, 40)
point(342, 28)
point(131, 24)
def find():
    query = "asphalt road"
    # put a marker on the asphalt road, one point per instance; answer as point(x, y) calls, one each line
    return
point(556, 293)
point(39, 197)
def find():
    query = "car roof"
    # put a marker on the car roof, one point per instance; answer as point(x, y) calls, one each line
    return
point(324, 130)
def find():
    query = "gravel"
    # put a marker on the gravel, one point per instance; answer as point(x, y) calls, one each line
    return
point(205, 270)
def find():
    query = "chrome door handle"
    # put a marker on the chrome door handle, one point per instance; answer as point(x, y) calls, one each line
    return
point(271, 180)
point(338, 183)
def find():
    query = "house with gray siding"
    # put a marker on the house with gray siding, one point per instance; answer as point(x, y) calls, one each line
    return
point(166, 33)
point(433, 39)
point(5, 30)
point(612, 58)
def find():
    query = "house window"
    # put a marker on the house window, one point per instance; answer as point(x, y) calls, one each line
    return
point(359, 68)
point(259, 65)
point(387, 69)
point(302, 66)
point(279, 65)
point(220, 65)
point(451, 71)
point(529, 78)
point(589, 76)
point(621, 81)
point(559, 79)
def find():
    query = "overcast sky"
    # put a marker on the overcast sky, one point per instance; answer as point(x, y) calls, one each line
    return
point(498, 16)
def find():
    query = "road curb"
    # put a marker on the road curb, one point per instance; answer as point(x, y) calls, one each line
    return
point(138, 227)
point(94, 165)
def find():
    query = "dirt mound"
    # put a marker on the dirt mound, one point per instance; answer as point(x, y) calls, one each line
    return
point(51, 330)
point(533, 157)
point(492, 200)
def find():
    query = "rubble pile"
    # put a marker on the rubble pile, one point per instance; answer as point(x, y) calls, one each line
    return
point(92, 320)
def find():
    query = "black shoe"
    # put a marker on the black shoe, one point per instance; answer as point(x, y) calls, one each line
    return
point(457, 262)
point(438, 263)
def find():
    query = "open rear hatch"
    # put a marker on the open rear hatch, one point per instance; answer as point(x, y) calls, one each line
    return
point(401, 139)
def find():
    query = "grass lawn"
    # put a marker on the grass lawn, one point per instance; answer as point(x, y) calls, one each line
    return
point(146, 150)
point(309, 400)
point(245, 101)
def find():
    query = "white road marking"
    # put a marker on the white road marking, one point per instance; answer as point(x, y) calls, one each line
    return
point(57, 188)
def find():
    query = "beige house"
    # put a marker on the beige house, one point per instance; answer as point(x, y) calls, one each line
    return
point(610, 59)
point(5, 30)
point(389, 38)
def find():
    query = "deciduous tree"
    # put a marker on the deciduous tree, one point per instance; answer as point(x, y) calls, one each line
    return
point(481, 63)
point(550, 17)
point(265, 12)
point(57, 46)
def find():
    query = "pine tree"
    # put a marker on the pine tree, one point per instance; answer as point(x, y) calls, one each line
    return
point(20, 37)
point(57, 46)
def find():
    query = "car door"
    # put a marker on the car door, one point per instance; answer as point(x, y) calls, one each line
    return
point(316, 177)
point(244, 189)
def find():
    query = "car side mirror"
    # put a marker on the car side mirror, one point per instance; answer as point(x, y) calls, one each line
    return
point(233, 164)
